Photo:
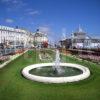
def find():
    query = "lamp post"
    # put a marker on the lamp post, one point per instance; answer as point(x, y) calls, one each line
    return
point(4, 45)
point(15, 43)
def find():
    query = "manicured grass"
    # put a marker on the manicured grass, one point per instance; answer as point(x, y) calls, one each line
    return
point(13, 86)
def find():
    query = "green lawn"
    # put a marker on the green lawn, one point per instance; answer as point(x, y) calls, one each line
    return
point(13, 86)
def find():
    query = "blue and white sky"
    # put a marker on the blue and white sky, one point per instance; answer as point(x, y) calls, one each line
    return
point(52, 16)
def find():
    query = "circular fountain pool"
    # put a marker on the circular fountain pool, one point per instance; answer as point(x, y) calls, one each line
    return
point(43, 73)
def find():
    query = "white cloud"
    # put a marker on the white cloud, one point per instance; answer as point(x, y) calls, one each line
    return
point(44, 29)
point(5, 0)
point(33, 12)
point(47, 30)
point(10, 1)
point(30, 11)
point(32, 23)
point(14, 4)
point(8, 20)
point(53, 37)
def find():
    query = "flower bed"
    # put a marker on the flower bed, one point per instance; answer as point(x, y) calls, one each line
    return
point(4, 58)
point(90, 58)
point(11, 58)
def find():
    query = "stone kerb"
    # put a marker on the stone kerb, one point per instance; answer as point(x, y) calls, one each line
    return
point(84, 75)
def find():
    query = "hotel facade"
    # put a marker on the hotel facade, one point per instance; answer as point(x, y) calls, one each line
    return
point(15, 38)
point(40, 39)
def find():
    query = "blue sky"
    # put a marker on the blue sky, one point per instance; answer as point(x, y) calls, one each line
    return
point(52, 16)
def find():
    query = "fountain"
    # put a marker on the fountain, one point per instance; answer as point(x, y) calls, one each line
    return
point(56, 66)
point(56, 72)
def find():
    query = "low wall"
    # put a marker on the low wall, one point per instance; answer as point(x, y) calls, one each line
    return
point(11, 59)
point(84, 75)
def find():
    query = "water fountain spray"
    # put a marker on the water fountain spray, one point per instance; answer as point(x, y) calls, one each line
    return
point(56, 66)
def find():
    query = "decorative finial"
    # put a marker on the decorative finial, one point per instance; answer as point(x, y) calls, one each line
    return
point(37, 30)
point(80, 29)
point(64, 33)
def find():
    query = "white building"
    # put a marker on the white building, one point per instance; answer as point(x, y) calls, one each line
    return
point(81, 40)
point(40, 38)
point(15, 36)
